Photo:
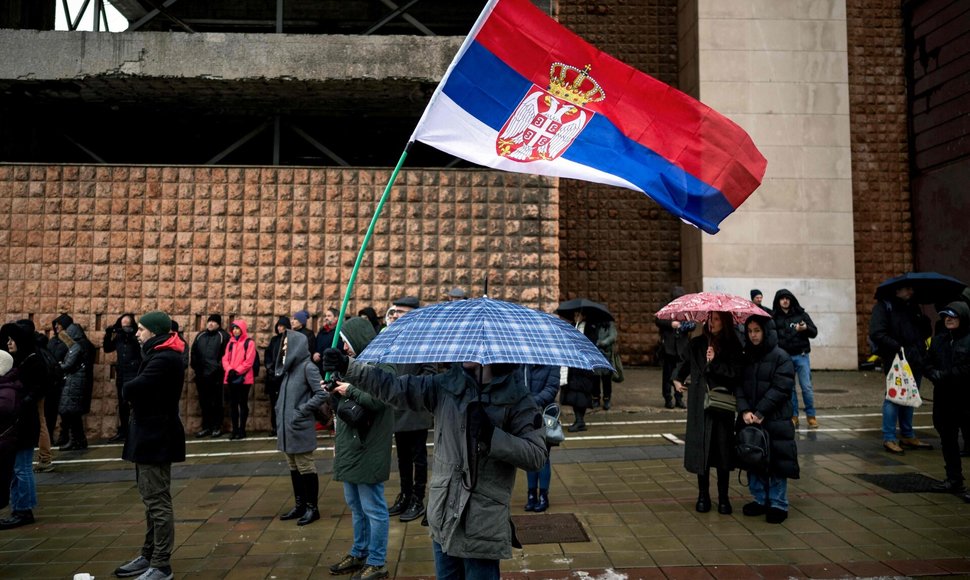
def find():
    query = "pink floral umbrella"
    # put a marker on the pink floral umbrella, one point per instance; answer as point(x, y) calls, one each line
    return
point(696, 307)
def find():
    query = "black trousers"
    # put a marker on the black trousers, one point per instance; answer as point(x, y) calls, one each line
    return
point(949, 415)
point(210, 402)
point(51, 404)
point(412, 460)
point(123, 409)
point(239, 407)
point(604, 385)
point(667, 388)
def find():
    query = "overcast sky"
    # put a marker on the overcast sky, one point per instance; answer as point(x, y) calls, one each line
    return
point(116, 22)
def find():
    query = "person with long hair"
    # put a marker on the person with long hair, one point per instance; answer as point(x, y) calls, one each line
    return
point(714, 360)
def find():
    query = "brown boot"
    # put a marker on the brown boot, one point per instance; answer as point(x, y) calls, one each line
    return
point(913, 443)
point(892, 447)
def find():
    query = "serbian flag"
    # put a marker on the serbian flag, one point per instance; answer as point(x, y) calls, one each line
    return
point(525, 94)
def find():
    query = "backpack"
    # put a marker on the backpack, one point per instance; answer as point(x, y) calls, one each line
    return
point(753, 449)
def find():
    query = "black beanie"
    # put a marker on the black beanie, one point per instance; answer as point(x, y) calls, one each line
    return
point(756, 292)
point(217, 318)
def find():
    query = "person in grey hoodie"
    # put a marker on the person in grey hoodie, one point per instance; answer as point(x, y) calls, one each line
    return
point(300, 393)
point(487, 426)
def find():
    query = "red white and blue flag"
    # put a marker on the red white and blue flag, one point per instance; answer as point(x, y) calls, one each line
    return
point(525, 94)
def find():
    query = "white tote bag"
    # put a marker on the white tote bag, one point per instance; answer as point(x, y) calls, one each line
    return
point(901, 385)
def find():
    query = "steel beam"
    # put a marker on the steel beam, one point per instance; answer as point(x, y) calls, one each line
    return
point(276, 140)
point(90, 153)
point(319, 146)
point(410, 19)
point(156, 10)
point(80, 13)
point(394, 14)
point(239, 143)
point(279, 16)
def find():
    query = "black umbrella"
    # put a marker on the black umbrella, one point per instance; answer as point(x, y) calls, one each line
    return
point(928, 287)
point(590, 309)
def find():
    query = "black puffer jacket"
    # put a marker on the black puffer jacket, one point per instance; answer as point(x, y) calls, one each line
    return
point(78, 372)
point(207, 350)
point(125, 343)
point(56, 345)
point(32, 372)
point(789, 339)
point(767, 380)
point(948, 361)
point(271, 357)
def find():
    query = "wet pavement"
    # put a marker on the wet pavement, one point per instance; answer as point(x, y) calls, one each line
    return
point(623, 479)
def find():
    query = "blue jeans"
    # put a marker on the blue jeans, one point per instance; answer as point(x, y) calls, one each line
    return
point(803, 370)
point(369, 511)
point(540, 479)
point(777, 490)
point(23, 491)
point(890, 413)
point(454, 568)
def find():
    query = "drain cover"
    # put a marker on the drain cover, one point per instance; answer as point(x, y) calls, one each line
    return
point(831, 391)
point(900, 482)
point(549, 529)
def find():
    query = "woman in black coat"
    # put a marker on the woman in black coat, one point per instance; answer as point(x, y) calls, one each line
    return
point(580, 384)
point(713, 360)
point(764, 398)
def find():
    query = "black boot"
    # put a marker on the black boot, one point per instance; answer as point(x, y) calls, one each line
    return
point(580, 423)
point(415, 509)
point(532, 501)
point(543, 504)
point(703, 493)
point(606, 404)
point(17, 519)
point(400, 504)
point(723, 501)
point(299, 508)
point(311, 488)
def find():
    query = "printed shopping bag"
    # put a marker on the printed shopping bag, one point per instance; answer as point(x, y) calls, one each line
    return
point(901, 385)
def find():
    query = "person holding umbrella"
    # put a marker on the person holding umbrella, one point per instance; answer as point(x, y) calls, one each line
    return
point(714, 360)
point(897, 324)
point(486, 426)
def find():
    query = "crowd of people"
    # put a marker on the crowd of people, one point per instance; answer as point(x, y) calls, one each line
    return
point(762, 362)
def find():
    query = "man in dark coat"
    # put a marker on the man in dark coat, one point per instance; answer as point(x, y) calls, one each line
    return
point(795, 328)
point(764, 398)
point(207, 350)
point(948, 366)
point(120, 338)
point(51, 397)
point(898, 324)
point(57, 348)
point(324, 338)
point(156, 439)
point(674, 337)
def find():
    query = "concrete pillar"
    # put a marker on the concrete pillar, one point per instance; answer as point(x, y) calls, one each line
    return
point(779, 69)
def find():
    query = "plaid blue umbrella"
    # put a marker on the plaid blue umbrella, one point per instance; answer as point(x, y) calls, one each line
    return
point(484, 331)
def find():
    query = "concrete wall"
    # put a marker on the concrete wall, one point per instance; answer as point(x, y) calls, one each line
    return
point(779, 69)
point(97, 241)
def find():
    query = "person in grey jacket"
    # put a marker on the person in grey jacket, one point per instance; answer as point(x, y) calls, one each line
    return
point(300, 393)
point(78, 386)
point(487, 426)
point(543, 382)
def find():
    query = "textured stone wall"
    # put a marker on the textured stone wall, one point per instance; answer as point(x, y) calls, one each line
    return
point(880, 155)
point(259, 243)
point(617, 246)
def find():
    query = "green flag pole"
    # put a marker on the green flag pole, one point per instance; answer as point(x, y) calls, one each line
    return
point(363, 247)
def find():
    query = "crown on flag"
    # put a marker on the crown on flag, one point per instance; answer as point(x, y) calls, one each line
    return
point(574, 85)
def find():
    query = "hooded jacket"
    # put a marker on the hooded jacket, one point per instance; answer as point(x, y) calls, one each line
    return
point(32, 374)
point(240, 354)
point(78, 372)
point(207, 350)
point(468, 521)
point(673, 341)
point(948, 360)
point(271, 356)
point(789, 339)
point(300, 393)
point(362, 454)
point(55, 344)
point(125, 344)
point(155, 431)
point(767, 381)
point(12, 396)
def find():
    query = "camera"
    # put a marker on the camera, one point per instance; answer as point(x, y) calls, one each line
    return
point(793, 325)
point(330, 385)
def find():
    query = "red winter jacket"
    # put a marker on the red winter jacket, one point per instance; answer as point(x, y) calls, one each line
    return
point(240, 354)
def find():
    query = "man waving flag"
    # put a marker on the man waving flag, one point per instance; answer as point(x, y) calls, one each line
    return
point(525, 94)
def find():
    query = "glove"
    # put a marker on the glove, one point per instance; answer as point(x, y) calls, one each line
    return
point(232, 375)
point(334, 360)
point(480, 428)
point(935, 376)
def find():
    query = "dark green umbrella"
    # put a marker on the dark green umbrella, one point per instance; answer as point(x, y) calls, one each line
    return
point(590, 309)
